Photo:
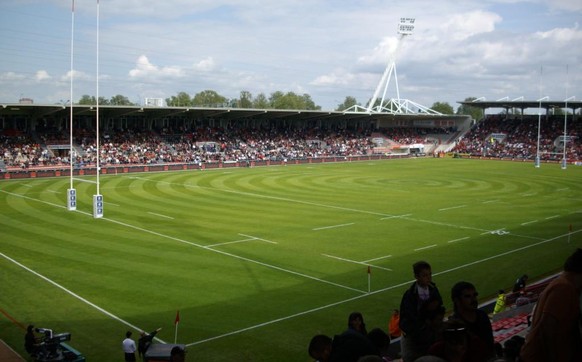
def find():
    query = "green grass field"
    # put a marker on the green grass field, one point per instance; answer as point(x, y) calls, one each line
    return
point(258, 260)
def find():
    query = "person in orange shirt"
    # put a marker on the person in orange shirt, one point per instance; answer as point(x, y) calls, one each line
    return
point(394, 324)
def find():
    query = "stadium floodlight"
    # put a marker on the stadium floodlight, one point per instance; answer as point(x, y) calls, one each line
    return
point(405, 28)
point(564, 160)
point(537, 161)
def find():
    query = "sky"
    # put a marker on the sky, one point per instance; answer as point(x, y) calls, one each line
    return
point(495, 49)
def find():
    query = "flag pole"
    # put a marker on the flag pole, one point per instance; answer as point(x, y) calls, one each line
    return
point(176, 321)
point(369, 278)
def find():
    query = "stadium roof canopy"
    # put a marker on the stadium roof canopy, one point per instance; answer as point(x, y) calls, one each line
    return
point(105, 111)
point(507, 104)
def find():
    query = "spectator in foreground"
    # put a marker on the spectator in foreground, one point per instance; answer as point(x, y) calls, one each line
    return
point(555, 332)
point(394, 324)
point(420, 306)
point(356, 323)
point(476, 321)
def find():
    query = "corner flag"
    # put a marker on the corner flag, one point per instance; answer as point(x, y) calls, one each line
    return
point(369, 277)
point(176, 321)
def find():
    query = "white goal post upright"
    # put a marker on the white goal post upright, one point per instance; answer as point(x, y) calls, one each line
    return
point(71, 192)
point(405, 28)
point(97, 198)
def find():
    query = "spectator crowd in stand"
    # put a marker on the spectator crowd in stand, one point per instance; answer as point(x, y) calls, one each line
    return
point(496, 136)
point(519, 138)
point(235, 144)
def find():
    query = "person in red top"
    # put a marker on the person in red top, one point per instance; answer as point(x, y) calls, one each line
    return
point(554, 333)
point(394, 324)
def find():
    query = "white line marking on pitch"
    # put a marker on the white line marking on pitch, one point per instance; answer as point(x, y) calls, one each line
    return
point(362, 294)
point(395, 217)
point(109, 314)
point(200, 246)
point(110, 203)
point(231, 242)
point(529, 222)
point(257, 238)
point(382, 257)
point(160, 215)
point(490, 201)
point(426, 247)
point(406, 283)
point(453, 207)
point(552, 217)
point(332, 226)
point(355, 262)
point(453, 241)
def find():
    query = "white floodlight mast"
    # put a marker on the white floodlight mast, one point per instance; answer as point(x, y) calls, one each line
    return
point(405, 28)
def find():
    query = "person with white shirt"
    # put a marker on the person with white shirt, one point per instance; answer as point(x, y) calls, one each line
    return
point(129, 347)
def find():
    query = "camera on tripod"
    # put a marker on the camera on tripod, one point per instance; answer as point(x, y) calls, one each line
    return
point(50, 349)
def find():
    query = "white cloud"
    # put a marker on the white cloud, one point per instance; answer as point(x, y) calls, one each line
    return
point(11, 77)
point(144, 68)
point(42, 75)
point(77, 76)
point(205, 65)
point(466, 25)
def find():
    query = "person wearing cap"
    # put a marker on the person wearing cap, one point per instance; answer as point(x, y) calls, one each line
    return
point(555, 334)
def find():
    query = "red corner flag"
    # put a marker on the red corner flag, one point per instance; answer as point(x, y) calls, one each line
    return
point(369, 278)
point(176, 321)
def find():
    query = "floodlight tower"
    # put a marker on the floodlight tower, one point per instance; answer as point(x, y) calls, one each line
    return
point(405, 28)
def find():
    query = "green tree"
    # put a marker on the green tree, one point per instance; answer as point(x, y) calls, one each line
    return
point(443, 108)
point(290, 100)
point(348, 102)
point(475, 112)
point(87, 100)
point(245, 100)
point(120, 100)
point(261, 101)
point(90, 100)
point(182, 99)
point(208, 98)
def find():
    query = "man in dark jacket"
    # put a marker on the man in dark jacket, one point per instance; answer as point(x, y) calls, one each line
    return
point(144, 342)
